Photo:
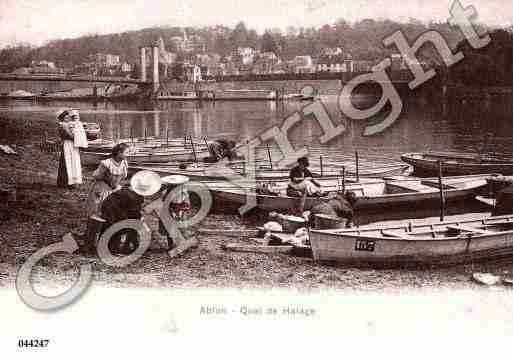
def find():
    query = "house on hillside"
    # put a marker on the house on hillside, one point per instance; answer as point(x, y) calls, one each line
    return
point(44, 67)
point(244, 55)
point(188, 44)
point(192, 73)
point(266, 63)
point(364, 65)
point(332, 51)
point(43, 63)
point(303, 64)
point(106, 60)
point(334, 63)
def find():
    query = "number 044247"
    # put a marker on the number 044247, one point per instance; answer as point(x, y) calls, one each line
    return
point(33, 343)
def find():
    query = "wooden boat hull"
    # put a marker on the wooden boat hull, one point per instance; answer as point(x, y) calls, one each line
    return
point(371, 195)
point(180, 98)
point(454, 165)
point(94, 158)
point(349, 248)
point(150, 144)
point(205, 174)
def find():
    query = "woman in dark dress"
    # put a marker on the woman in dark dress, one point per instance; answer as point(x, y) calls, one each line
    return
point(65, 135)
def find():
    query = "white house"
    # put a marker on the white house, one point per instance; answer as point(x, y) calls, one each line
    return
point(303, 64)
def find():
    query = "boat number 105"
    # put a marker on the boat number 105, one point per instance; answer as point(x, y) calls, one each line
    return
point(364, 245)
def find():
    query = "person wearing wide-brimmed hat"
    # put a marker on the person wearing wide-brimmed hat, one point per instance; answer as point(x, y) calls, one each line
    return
point(177, 196)
point(127, 203)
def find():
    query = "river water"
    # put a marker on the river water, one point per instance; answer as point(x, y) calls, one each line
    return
point(466, 126)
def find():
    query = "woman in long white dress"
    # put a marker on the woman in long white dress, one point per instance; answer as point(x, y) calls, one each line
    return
point(70, 167)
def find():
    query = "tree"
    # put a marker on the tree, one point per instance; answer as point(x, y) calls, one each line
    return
point(268, 43)
point(239, 35)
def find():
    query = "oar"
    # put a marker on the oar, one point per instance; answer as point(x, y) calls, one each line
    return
point(442, 196)
point(194, 151)
point(344, 180)
point(302, 203)
point(357, 163)
point(269, 155)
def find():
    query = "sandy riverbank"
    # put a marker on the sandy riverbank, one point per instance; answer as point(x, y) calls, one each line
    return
point(41, 213)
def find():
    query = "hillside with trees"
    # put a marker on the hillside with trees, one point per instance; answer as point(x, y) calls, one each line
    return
point(362, 39)
point(489, 66)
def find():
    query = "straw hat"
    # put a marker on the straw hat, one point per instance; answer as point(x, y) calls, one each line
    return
point(175, 179)
point(60, 112)
point(146, 183)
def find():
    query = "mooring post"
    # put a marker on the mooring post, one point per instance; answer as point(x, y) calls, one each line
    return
point(143, 63)
point(269, 156)
point(357, 163)
point(442, 195)
point(343, 179)
point(194, 150)
point(155, 69)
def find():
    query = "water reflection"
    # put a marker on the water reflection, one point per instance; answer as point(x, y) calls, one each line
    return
point(482, 126)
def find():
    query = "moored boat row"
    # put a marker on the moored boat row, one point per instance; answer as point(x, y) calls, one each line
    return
point(455, 164)
point(463, 177)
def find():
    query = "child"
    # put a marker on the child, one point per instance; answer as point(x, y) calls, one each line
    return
point(78, 130)
point(179, 206)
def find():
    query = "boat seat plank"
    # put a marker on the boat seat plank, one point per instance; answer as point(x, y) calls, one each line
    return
point(413, 186)
point(470, 229)
point(394, 234)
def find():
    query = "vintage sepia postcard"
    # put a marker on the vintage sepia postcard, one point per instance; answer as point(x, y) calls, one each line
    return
point(305, 176)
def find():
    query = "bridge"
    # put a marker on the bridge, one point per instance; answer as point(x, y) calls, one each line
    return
point(85, 85)
point(72, 78)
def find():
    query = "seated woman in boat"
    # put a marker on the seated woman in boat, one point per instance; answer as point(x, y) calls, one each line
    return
point(336, 206)
point(127, 203)
point(301, 181)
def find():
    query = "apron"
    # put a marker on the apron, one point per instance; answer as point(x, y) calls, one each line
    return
point(72, 162)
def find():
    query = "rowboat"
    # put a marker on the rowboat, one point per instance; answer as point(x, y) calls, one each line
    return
point(102, 145)
point(416, 244)
point(455, 164)
point(263, 171)
point(371, 194)
point(89, 158)
point(298, 97)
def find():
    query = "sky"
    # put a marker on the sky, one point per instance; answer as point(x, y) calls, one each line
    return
point(37, 21)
